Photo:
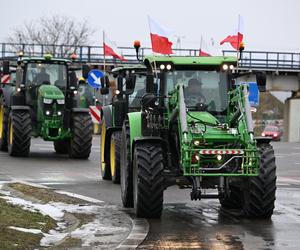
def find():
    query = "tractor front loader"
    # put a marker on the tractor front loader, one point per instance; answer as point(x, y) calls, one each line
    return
point(195, 131)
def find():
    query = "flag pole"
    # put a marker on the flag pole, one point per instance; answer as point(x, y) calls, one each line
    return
point(238, 42)
point(103, 51)
point(201, 45)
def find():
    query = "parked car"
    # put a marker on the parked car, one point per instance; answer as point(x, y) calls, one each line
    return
point(272, 131)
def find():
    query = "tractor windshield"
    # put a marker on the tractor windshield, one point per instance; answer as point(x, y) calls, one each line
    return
point(139, 91)
point(207, 87)
point(44, 73)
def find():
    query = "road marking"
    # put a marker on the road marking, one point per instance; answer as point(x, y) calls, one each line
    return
point(79, 196)
point(140, 229)
point(288, 180)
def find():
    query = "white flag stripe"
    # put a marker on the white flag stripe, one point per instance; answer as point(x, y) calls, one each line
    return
point(158, 29)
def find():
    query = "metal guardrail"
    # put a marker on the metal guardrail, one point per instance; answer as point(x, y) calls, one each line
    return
point(264, 60)
point(91, 54)
point(281, 61)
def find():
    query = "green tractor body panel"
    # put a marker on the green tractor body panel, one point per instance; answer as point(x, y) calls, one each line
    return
point(135, 121)
point(50, 128)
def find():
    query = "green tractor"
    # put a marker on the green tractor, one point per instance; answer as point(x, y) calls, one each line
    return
point(195, 130)
point(43, 102)
point(130, 87)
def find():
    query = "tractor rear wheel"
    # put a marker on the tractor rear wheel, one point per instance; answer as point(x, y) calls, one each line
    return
point(115, 146)
point(61, 147)
point(126, 179)
point(81, 141)
point(148, 180)
point(233, 200)
point(260, 191)
point(4, 114)
point(104, 166)
point(19, 133)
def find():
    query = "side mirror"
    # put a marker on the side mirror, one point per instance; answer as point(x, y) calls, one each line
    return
point(130, 82)
point(104, 85)
point(85, 71)
point(73, 81)
point(261, 80)
point(149, 83)
point(6, 70)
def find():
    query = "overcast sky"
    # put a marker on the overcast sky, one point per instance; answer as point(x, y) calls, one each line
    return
point(271, 25)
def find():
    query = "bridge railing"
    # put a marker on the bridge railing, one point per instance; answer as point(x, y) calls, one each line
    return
point(92, 54)
point(267, 60)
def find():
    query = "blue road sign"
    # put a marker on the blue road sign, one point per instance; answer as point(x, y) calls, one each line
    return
point(94, 78)
point(253, 94)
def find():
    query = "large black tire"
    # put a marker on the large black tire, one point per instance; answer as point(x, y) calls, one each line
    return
point(81, 141)
point(104, 166)
point(260, 193)
point(19, 133)
point(115, 147)
point(4, 114)
point(234, 200)
point(61, 147)
point(148, 179)
point(126, 179)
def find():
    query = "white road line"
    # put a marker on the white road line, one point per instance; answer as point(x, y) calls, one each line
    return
point(288, 180)
point(79, 196)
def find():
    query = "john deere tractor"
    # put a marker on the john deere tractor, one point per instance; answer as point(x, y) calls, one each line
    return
point(195, 131)
point(43, 102)
point(130, 87)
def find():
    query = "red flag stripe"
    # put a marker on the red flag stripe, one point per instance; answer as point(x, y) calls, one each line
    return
point(161, 44)
point(108, 51)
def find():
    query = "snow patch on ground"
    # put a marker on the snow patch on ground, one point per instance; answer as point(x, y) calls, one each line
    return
point(89, 233)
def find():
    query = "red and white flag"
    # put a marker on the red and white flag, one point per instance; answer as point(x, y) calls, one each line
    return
point(110, 48)
point(160, 38)
point(203, 51)
point(236, 40)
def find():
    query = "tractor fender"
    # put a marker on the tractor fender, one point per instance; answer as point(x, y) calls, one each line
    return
point(80, 110)
point(262, 140)
point(106, 113)
point(135, 125)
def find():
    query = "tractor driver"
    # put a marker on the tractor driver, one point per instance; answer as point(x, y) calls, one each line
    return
point(193, 93)
point(43, 77)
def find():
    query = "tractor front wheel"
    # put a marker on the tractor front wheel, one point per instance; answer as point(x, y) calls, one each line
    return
point(81, 141)
point(4, 114)
point(115, 146)
point(61, 147)
point(19, 133)
point(148, 180)
point(126, 179)
point(259, 194)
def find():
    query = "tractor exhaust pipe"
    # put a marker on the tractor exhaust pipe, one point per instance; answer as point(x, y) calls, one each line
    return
point(248, 110)
point(182, 114)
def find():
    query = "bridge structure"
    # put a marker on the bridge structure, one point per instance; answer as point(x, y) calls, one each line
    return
point(282, 68)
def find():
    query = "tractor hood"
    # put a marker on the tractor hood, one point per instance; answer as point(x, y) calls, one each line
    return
point(203, 116)
point(51, 92)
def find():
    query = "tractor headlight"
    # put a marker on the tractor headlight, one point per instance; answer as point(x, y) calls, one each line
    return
point(169, 67)
point(59, 113)
point(219, 157)
point(196, 143)
point(162, 66)
point(231, 67)
point(225, 67)
point(60, 101)
point(47, 112)
point(47, 101)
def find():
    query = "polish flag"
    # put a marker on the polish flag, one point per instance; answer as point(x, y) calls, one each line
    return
point(203, 45)
point(110, 48)
point(159, 38)
point(235, 40)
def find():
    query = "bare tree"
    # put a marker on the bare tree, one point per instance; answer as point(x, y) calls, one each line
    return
point(53, 32)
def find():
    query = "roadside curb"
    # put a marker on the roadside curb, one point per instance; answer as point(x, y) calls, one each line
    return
point(140, 229)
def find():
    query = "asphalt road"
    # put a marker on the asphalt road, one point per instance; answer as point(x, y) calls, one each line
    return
point(185, 224)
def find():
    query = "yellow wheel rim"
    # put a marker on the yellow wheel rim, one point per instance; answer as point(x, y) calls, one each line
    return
point(103, 134)
point(1, 120)
point(112, 157)
point(10, 133)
